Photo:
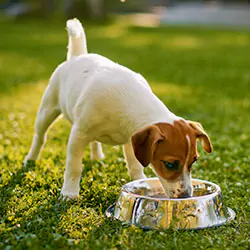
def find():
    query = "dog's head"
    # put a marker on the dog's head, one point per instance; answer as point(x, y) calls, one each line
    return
point(171, 149)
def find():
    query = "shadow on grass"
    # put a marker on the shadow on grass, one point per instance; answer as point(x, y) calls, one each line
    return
point(7, 190)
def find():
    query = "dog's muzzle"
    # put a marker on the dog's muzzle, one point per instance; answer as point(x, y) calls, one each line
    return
point(177, 189)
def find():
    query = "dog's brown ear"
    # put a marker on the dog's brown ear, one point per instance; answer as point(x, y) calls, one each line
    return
point(144, 143)
point(201, 134)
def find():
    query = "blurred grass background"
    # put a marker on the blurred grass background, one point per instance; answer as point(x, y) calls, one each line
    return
point(200, 74)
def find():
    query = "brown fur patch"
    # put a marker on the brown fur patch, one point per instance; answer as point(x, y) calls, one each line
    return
point(165, 142)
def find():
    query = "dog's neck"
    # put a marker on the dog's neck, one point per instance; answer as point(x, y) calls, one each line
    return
point(153, 111)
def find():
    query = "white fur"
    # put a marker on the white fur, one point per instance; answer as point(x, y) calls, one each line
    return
point(135, 169)
point(104, 101)
point(77, 39)
point(96, 152)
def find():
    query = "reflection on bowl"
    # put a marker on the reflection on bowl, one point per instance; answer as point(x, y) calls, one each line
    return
point(143, 203)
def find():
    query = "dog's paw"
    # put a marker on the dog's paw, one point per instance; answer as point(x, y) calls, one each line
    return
point(29, 163)
point(29, 158)
point(138, 177)
point(97, 156)
point(69, 195)
point(69, 192)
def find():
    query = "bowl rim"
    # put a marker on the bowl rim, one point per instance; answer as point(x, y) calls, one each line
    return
point(207, 196)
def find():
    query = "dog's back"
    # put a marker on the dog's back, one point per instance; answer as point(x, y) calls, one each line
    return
point(86, 78)
point(101, 95)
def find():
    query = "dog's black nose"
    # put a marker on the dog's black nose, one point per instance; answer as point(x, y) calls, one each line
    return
point(184, 194)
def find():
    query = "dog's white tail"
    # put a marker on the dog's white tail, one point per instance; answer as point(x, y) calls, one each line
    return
point(77, 39)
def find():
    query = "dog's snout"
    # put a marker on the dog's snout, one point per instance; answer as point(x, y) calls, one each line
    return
point(185, 194)
point(177, 189)
point(180, 194)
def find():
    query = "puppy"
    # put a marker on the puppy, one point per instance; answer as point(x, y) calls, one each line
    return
point(108, 103)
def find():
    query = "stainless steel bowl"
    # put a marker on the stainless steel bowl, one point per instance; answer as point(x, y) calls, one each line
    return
point(144, 204)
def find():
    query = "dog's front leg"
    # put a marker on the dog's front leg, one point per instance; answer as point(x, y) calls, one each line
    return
point(135, 168)
point(72, 175)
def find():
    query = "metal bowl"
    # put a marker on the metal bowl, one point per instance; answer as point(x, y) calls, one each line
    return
point(144, 204)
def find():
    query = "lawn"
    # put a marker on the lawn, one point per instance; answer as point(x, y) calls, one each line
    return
point(200, 74)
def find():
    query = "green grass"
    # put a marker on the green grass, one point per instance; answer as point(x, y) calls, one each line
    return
point(201, 74)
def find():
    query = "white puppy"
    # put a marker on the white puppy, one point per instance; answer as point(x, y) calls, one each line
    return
point(109, 103)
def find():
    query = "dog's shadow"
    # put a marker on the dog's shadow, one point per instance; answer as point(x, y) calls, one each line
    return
point(43, 213)
point(6, 190)
point(53, 214)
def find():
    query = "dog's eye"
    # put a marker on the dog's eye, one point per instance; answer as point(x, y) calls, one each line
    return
point(172, 165)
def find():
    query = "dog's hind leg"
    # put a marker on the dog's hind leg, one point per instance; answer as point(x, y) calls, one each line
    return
point(49, 110)
point(135, 168)
point(72, 174)
point(96, 152)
